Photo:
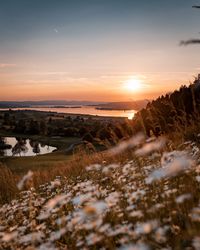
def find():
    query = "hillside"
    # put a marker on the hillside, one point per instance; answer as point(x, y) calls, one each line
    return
point(148, 201)
point(177, 112)
point(142, 193)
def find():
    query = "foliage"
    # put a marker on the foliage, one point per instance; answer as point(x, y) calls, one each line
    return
point(172, 112)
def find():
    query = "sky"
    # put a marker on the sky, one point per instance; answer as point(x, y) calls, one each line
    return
point(97, 50)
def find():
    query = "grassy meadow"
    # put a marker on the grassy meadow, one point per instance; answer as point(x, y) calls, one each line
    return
point(143, 194)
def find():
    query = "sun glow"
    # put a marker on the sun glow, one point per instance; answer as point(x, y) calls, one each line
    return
point(133, 84)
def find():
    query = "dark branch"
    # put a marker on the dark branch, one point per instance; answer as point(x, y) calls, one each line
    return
point(196, 6)
point(189, 42)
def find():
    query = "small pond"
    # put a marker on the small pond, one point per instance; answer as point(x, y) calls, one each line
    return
point(24, 147)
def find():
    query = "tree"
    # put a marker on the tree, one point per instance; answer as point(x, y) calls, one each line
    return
point(88, 137)
point(6, 118)
point(20, 127)
point(35, 146)
point(3, 144)
point(43, 127)
point(19, 147)
point(34, 127)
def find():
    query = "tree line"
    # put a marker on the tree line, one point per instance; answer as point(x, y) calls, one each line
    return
point(172, 112)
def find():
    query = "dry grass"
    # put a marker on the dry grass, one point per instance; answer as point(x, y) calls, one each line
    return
point(71, 168)
point(8, 189)
point(110, 205)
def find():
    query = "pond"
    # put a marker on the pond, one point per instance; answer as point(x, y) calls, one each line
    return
point(24, 147)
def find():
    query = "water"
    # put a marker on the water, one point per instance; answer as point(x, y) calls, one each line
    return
point(85, 110)
point(25, 147)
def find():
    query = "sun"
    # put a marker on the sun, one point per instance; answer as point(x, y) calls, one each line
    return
point(133, 84)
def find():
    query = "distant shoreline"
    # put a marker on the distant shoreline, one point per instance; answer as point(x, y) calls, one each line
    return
point(108, 110)
point(117, 109)
point(57, 107)
point(69, 107)
point(84, 115)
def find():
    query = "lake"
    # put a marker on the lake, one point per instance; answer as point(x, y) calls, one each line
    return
point(84, 110)
point(25, 147)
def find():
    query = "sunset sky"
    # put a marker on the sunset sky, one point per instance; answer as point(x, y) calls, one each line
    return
point(98, 50)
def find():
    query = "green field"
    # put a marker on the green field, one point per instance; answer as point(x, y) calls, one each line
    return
point(20, 165)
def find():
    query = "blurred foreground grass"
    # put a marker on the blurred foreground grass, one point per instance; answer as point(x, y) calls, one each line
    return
point(145, 197)
point(143, 194)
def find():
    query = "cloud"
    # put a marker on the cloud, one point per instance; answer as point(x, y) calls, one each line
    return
point(48, 73)
point(60, 81)
point(6, 65)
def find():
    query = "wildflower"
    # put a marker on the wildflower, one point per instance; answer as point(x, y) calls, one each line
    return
point(198, 178)
point(32, 237)
point(160, 234)
point(110, 168)
point(137, 214)
point(9, 236)
point(93, 238)
point(112, 199)
point(172, 168)
point(57, 200)
point(196, 243)
point(182, 198)
point(94, 167)
point(46, 246)
point(57, 234)
point(151, 147)
point(128, 144)
point(56, 183)
point(146, 227)
point(24, 180)
point(95, 208)
point(126, 168)
point(104, 228)
point(79, 200)
point(138, 246)
point(195, 214)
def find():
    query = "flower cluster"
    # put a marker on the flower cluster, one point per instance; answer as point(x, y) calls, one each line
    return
point(149, 202)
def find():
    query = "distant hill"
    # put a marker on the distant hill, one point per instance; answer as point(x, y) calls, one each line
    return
point(136, 105)
point(133, 105)
point(25, 104)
